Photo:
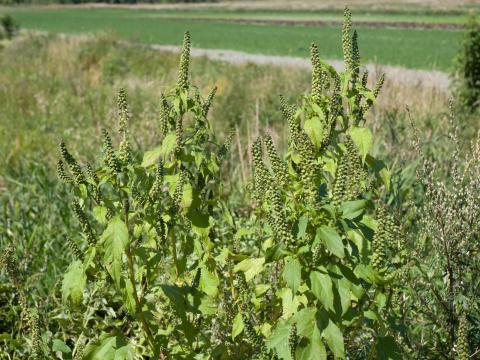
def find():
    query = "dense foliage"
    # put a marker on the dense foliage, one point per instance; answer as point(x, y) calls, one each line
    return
point(468, 67)
point(330, 255)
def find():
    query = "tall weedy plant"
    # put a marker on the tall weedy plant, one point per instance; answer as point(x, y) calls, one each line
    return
point(322, 282)
point(145, 249)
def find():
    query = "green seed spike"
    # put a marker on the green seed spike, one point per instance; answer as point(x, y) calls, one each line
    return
point(157, 183)
point(346, 42)
point(178, 135)
point(109, 154)
point(341, 182)
point(355, 55)
point(92, 175)
point(278, 165)
point(123, 113)
point(379, 85)
point(261, 176)
point(379, 241)
point(125, 152)
point(289, 115)
point(178, 193)
point(365, 78)
point(292, 341)
point(462, 339)
point(75, 249)
point(208, 102)
point(83, 220)
point(317, 84)
point(376, 91)
point(225, 148)
point(164, 110)
point(77, 172)
point(182, 82)
point(62, 174)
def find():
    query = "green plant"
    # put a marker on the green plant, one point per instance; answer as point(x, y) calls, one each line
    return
point(9, 26)
point(146, 250)
point(443, 254)
point(322, 281)
point(468, 66)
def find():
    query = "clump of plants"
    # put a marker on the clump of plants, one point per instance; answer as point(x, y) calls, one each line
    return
point(9, 27)
point(467, 72)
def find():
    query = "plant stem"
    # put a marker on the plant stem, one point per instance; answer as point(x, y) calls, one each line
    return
point(138, 305)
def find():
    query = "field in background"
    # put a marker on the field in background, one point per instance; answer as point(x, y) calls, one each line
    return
point(412, 48)
point(72, 81)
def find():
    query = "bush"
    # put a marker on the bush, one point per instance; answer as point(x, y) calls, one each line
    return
point(9, 26)
point(468, 67)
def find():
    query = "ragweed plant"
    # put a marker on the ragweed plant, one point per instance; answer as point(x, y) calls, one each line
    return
point(145, 249)
point(321, 285)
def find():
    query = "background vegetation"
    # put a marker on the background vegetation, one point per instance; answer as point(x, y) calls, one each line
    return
point(55, 87)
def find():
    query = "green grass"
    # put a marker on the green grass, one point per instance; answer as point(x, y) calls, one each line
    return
point(364, 16)
point(412, 48)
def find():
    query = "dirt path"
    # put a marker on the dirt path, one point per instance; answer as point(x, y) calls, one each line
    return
point(399, 75)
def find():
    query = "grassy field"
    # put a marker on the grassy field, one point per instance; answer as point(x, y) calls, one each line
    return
point(412, 48)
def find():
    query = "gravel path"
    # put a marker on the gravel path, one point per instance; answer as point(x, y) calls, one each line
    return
point(396, 74)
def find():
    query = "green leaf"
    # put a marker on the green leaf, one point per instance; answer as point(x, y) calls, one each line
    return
point(109, 348)
point(59, 345)
point(306, 321)
point(209, 282)
point(186, 196)
point(292, 274)
point(290, 303)
point(334, 338)
point(353, 209)
point(114, 240)
point(237, 326)
point(73, 284)
point(278, 340)
point(314, 129)
point(168, 145)
point(250, 267)
point(314, 350)
point(321, 286)
point(302, 227)
point(100, 214)
point(332, 240)
point(362, 137)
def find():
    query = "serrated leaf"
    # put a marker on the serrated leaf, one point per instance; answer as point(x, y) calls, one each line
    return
point(314, 350)
point(321, 286)
point(314, 129)
point(334, 339)
point(73, 284)
point(168, 145)
point(292, 274)
point(237, 326)
point(250, 267)
point(114, 240)
point(332, 240)
point(290, 303)
point(353, 209)
point(59, 345)
point(209, 282)
point(278, 340)
point(109, 348)
point(363, 139)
